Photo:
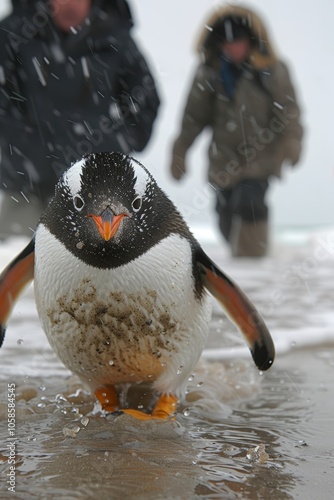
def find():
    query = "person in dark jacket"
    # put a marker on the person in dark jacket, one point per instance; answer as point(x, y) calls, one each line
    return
point(72, 81)
point(243, 93)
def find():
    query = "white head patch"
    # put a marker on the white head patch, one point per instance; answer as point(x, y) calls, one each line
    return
point(141, 179)
point(73, 176)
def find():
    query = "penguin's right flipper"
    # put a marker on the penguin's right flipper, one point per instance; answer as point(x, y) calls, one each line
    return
point(13, 279)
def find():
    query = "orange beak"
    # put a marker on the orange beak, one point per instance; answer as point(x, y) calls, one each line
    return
point(107, 223)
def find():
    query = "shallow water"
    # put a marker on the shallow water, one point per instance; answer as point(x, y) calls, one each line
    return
point(239, 433)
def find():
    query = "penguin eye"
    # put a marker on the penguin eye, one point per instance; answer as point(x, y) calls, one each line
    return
point(136, 204)
point(78, 202)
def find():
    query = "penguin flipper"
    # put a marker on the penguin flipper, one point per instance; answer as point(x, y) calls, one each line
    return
point(240, 310)
point(13, 279)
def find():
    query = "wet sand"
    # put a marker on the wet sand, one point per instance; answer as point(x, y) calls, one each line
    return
point(209, 451)
point(239, 434)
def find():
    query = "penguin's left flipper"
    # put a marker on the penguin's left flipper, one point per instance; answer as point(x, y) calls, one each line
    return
point(239, 309)
point(13, 279)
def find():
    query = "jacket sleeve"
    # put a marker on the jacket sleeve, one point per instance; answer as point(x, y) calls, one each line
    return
point(138, 98)
point(196, 116)
point(7, 62)
point(126, 123)
point(286, 114)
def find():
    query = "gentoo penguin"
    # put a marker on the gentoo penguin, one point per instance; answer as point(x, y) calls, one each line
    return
point(121, 284)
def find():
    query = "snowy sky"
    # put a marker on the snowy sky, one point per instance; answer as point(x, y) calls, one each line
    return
point(304, 37)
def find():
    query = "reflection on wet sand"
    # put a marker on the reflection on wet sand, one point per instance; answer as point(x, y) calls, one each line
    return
point(192, 457)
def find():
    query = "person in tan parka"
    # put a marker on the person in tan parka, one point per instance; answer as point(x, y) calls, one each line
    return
point(245, 95)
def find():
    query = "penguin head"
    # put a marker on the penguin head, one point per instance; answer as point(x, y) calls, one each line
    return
point(107, 210)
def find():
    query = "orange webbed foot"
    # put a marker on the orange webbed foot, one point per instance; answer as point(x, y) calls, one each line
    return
point(107, 397)
point(164, 409)
point(139, 415)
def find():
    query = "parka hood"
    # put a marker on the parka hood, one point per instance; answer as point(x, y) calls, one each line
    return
point(262, 52)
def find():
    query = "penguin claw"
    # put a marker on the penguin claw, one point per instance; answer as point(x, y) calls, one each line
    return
point(139, 415)
point(117, 413)
point(164, 409)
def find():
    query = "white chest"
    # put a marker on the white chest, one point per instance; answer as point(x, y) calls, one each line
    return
point(138, 322)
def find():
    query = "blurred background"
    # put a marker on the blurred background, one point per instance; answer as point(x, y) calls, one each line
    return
point(290, 409)
point(304, 38)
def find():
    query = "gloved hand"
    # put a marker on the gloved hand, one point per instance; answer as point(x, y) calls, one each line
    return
point(288, 152)
point(294, 151)
point(178, 166)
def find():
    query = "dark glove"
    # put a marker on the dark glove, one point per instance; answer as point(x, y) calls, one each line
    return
point(289, 152)
point(294, 151)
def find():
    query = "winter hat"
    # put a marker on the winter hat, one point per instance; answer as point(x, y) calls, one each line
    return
point(232, 22)
point(234, 28)
point(228, 29)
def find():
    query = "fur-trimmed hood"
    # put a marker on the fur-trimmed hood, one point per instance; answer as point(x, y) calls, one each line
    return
point(262, 52)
